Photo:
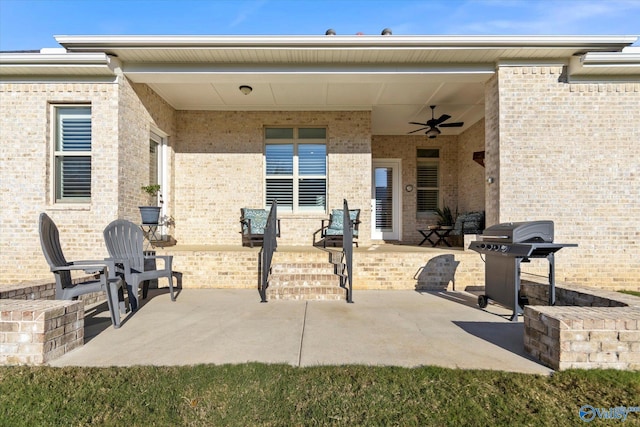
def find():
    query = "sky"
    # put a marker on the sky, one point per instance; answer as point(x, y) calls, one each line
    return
point(32, 24)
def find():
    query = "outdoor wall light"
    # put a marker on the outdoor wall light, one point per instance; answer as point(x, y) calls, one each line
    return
point(246, 89)
point(490, 180)
point(408, 188)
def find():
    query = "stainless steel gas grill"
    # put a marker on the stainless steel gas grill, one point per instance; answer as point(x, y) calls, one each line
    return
point(507, 245)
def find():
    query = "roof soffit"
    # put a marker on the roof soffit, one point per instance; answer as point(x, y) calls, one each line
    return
point(340, 49)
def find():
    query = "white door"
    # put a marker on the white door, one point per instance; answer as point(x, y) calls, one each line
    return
point(157, 175)
point(385, 200)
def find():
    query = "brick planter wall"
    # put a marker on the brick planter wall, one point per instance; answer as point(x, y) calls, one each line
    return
point(35, 328)
point(33, 332)
point(584, 338)
point(586, 329)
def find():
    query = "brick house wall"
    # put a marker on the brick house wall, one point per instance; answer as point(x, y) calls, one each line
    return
point(121, 112)
point(138, 108)
point(25, 171)
point(462, 179)
point(471, 175)
point(219, 169)
point(405, 148)
point(569, 152)
point(557, 150)
point(492, 150)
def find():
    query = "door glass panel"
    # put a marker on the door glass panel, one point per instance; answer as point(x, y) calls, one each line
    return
point(384, 198)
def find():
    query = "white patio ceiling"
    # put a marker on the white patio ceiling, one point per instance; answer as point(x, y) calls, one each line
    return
point(393, 99)
point(397, 78)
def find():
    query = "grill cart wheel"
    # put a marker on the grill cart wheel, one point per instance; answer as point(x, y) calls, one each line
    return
point(483, 301)
point(522, 300)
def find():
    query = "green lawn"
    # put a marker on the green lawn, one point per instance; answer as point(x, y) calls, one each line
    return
point(281, 395)
point(636, 293)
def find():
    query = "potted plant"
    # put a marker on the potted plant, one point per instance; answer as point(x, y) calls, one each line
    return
point(446, 219)
point(151, 214)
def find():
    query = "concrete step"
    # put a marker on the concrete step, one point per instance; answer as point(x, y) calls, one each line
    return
point(306, 292)
point(305, 281)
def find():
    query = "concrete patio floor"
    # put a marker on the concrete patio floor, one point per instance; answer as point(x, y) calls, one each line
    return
point(219, 326)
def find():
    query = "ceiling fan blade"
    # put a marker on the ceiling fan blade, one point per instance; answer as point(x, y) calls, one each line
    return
point(442, 118)
point(416, 123)
point(417, 130)
point(452, 125)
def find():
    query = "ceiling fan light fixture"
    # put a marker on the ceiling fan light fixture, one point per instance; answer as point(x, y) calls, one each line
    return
point(433, 124)
point(432, 133)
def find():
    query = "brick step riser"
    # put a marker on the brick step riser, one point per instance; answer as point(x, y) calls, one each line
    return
point(303, 269)
point(295, 258)
point(330, 280)
point(311, 293)
point(305, 281)
point(311, 268)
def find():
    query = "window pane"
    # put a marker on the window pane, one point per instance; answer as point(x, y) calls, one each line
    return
point(312, 133)
point(384, 198)
point(73, 135)
point(279, 133)
point(153, 162)
point(432, 153)
point(427, 175)
point(74, 132)
point(73, 177)
point(279, 159)
point(427, 200)
point(296, 168)
point(312, 159)
point(312, 194)
point(280, 190)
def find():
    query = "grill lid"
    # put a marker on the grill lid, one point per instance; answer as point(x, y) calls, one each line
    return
point(520, 232)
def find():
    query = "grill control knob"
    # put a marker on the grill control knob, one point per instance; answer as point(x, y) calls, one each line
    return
point(504, 248)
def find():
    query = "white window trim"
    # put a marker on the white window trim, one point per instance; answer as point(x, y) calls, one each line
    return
point(295, 177)
point(54, 154)
point(432, 161)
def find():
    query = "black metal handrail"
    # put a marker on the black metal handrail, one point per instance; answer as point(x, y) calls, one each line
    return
point(347, 251)
point(269, 246)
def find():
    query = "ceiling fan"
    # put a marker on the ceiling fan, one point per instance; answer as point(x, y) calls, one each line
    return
point(432, 125)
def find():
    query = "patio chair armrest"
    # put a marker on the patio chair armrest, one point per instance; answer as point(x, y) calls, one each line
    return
point(117, 262)
point(88, 267)
point(168, 259)
point(111, 269)
point(247, 223)
point(324, 226)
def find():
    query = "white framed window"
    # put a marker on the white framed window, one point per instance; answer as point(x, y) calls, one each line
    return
point(427, 189)
point(296, 169)
point(72, 154)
